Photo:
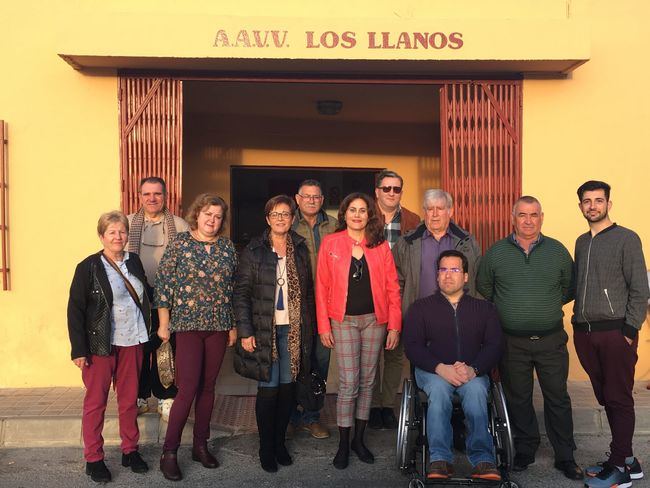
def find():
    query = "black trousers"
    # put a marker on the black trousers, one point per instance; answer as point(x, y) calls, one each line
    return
point(549, 358)
point(149, 379)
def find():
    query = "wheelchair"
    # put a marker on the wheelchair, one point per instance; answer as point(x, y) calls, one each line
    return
point(412, 448)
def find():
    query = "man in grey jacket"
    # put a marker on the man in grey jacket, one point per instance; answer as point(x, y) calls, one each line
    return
point(609, 309)
point(416, 253)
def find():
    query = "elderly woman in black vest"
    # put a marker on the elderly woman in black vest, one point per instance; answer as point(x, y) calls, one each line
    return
point(274, 311)
point(109, 320)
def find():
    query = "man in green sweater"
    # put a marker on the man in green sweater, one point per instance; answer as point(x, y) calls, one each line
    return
point(529, 277)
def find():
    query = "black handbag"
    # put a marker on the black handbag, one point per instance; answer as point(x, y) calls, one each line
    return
point(310, 391)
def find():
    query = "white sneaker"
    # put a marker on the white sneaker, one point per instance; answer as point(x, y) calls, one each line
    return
point(143, 406)
point(164, 407)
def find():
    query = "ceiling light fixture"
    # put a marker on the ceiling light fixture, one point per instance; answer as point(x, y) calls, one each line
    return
point(329, 107)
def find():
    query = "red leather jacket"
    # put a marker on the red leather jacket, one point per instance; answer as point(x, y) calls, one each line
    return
point(334, 259)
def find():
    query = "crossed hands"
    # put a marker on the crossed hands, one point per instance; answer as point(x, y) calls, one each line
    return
point(456, 374)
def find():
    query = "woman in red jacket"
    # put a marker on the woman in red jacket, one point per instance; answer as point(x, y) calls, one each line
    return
point(357, 299)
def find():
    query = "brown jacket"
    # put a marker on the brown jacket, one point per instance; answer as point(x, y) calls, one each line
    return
point(408, 219)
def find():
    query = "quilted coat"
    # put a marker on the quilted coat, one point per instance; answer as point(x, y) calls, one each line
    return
point(253, 301)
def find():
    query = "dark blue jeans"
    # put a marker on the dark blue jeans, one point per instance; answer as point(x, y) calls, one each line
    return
point(280, 369)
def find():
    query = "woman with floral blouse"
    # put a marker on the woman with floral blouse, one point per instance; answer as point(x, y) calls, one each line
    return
point(194, 299)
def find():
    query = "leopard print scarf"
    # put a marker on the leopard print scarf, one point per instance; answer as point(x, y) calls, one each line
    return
point(294, 300)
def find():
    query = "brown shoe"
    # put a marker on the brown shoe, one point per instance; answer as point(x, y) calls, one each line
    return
point(169, 466)
point(203, 456)
point(486, 471)
point(440, 470)
point(317, 430)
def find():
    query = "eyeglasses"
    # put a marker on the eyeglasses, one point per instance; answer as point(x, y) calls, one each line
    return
point(449, 270)
point(387, 189)
point(313, 198)
point(279, 215)
point(358, 273)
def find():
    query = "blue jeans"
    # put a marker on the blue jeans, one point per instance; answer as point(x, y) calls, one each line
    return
point(280, 369)
point(473, 395)
point(320, 362)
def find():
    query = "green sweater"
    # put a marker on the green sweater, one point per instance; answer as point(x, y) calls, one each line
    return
point(528, 291)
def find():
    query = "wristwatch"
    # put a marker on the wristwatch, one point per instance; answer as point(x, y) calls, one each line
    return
point(476, 371)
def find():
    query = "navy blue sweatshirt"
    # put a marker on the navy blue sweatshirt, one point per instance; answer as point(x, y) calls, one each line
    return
point(435, 333)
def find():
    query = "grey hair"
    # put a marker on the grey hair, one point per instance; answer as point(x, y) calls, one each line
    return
point(433, 194)
point(526, 199)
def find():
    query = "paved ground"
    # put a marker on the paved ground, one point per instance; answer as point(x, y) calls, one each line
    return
point(63, 467)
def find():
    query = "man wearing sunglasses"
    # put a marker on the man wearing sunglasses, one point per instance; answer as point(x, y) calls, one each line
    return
point(529, 277)
point(312, 223)
point(397, 221)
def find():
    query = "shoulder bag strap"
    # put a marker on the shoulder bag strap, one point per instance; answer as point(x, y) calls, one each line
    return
point(128, 284)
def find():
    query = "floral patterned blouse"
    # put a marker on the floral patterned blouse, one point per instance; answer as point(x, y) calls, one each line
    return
point(196, 285)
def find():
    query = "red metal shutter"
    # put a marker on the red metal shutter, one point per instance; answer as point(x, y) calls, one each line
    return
point(151, 120)
point(4, 206)
point(481, 154)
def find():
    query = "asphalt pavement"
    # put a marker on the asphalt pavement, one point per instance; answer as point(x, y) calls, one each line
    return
point(64, 467)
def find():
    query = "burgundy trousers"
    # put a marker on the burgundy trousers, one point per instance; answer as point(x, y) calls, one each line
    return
point(122, 367)
point(609, 361)
point(199, 355)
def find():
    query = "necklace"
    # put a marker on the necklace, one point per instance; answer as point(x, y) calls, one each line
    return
point(196, 238)
point(280, 279)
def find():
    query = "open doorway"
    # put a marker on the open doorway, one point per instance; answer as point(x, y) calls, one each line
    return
point(461, 135)
point(230, 127)
point(250, 141)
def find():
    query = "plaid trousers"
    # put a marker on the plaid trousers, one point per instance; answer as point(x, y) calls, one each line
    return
point(358, 340)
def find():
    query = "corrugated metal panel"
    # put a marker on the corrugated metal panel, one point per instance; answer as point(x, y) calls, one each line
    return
point(481, 154)
point(4, 205)
point(151, 121)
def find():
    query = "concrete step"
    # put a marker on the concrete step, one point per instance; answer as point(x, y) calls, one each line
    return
point(40, 417)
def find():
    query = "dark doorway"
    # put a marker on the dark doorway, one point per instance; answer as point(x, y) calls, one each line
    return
point(252, 186)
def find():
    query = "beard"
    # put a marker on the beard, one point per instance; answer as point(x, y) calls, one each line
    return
point(596, 218)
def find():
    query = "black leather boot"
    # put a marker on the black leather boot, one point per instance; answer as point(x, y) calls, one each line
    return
point(265, 409)
point(342, 457)
point(357, 442)
point(98, 472)
point(286, 404)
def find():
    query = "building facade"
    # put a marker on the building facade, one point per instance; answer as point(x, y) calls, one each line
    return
point(486, 99)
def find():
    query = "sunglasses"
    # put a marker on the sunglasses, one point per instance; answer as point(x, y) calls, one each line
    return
point(387, 189)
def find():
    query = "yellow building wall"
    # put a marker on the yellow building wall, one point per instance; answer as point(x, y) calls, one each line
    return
point(63, 172)
point(63, 149)
point(594, 125)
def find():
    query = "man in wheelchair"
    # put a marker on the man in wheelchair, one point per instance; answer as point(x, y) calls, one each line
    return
point(453, 340)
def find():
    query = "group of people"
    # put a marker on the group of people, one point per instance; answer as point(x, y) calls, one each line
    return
point(312, 283)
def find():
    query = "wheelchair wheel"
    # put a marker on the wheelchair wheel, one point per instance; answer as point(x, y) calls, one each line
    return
point(418, 483)
point(405, 425)
point(500, 426)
